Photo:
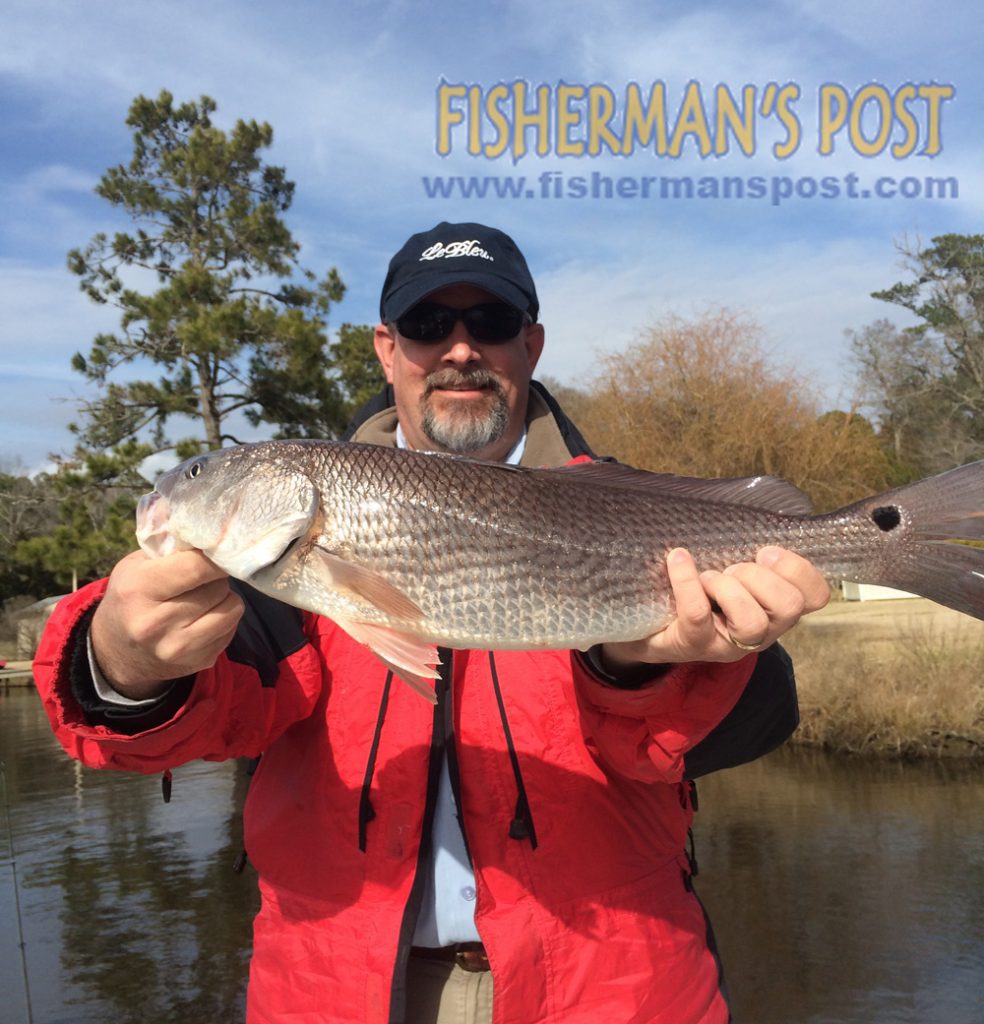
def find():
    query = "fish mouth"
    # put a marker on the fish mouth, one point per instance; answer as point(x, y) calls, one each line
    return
point(153, 515)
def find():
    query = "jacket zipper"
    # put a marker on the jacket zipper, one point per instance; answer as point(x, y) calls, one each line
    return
point(442, 721)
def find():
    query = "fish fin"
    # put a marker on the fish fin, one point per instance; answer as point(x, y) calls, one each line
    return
point(505, 467)
point(765, 492)
point(948, 506)
point(411, 659)
point(949, 574)
point(366, 585)
point(419, 684)
point(936, 513)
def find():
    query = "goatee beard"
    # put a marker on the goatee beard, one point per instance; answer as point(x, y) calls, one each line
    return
point(465, 427)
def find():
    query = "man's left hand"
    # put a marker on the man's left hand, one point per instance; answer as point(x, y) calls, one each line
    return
point(722, 616)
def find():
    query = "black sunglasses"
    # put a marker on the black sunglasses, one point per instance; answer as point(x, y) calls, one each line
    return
point(488, 322)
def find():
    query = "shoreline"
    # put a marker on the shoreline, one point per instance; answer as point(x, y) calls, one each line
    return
point(16, 673)
point(899, 679)
point(889, 680)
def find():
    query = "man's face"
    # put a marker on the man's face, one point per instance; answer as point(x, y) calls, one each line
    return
point(461, 395)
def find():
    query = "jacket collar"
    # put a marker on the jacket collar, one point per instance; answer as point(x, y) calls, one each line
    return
point(551, 439)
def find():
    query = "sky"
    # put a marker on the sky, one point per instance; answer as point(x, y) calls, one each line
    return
point(850, 99)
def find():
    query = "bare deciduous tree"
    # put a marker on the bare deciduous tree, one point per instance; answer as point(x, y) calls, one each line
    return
point(704, 398)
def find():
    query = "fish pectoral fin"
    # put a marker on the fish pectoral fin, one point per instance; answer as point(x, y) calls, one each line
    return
point(411, 659)
point(419, 684)
point(365, 585)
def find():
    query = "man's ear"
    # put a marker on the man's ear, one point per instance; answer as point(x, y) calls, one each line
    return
point(385, 345)
point(534, 338)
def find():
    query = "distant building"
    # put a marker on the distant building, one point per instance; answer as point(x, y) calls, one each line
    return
point(30, 625)
point(870, 592)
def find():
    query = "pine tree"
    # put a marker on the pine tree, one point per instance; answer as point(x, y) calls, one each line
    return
point(230, 327)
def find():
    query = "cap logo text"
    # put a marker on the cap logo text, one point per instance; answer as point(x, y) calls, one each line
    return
point(469, 247)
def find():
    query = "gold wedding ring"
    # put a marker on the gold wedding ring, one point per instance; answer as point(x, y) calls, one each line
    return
point(746, 647)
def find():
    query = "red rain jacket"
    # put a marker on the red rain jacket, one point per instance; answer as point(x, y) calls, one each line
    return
point(595, 924)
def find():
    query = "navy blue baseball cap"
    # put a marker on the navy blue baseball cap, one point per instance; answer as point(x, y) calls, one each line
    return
point(457, 254)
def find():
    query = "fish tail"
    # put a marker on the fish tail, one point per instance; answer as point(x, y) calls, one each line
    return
point(938, 512)
point(949, 506)
point(949, 574)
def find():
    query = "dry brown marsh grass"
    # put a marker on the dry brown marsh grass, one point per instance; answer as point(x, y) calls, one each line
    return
point(886, 681)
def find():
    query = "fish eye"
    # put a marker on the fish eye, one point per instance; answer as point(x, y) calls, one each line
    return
point(194, 470)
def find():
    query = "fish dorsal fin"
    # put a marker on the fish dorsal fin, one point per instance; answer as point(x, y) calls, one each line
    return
point(765, 492)
point(365, 585)
point(505, 467)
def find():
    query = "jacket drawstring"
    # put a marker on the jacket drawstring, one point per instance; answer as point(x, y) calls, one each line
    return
point(521, 827)
point(366, 811)
point(242, 858)
point(688, 801)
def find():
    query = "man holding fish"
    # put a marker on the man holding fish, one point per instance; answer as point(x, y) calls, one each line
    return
point(514, 852)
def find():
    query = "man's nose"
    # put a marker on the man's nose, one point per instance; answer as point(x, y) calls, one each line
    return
point(461, 347)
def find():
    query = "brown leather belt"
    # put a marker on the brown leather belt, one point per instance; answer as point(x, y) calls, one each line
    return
point(469, 956)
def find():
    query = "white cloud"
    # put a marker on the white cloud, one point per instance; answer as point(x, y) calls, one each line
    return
point(915, 33)
point(46, 319)
point(51, 180)
point(803, 297)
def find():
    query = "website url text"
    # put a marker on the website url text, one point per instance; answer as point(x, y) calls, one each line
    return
point(776, 189)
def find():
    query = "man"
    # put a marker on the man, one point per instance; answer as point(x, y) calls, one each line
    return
point(525, 835)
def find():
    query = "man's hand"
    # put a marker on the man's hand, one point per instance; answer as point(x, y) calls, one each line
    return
point(161, 619)
point(757, 601)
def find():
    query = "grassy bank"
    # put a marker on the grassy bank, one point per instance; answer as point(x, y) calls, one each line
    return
point(901, 678)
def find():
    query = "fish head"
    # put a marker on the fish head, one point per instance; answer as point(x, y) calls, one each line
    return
point(243, 507)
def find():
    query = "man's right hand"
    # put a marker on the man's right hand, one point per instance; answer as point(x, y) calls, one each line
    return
point(161, 619)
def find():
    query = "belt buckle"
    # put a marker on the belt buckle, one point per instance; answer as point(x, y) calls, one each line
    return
point(472, 960)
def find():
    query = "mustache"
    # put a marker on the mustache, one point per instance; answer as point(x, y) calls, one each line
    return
point(451, 377)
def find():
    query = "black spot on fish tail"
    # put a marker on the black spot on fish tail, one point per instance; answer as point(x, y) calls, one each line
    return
point(886, 517)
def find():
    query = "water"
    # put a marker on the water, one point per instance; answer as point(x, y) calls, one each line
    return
point(842, 892)
point(129, 907)
point(847, 892)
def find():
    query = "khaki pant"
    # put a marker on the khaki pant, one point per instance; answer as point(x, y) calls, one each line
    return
point(443, 993)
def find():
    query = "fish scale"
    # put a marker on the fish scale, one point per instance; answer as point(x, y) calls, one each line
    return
point(439, 555)
point(469, 554)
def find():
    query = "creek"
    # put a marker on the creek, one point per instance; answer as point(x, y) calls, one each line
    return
point(842, 891)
